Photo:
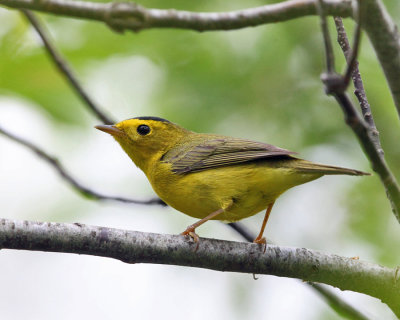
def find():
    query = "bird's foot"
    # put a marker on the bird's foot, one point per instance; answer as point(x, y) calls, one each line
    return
point(262, 241)
point(190, 231)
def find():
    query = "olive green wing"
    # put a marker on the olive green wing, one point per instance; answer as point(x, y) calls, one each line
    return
point(217, 152)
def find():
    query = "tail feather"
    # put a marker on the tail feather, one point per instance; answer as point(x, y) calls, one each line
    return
point(311, 167)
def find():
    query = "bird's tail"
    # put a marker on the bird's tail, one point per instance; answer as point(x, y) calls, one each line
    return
point(311, 167)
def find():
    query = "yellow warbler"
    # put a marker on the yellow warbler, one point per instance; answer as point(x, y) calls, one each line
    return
point(210, 176)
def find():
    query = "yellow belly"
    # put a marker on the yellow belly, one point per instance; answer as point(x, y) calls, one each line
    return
point(250, 187)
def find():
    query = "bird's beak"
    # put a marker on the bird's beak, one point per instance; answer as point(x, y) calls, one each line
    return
point(113, 130)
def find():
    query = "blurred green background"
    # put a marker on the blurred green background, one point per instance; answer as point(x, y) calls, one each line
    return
point(260, 83)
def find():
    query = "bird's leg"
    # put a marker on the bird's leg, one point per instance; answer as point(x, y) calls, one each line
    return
point(190, 230)
point(260, 239)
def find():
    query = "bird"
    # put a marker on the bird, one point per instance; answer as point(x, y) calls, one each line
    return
point(210, 176)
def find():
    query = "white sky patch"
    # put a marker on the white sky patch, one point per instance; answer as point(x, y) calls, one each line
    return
point(74, 38)
point(9, 20)
point(124, 84)
point(243, 42)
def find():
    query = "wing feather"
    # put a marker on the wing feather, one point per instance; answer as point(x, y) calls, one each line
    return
point(216, 151)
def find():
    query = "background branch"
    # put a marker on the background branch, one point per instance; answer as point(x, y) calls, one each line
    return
point(138, 247)
point(122, 16)
point(335, 302)
point(64, 68)
point(339, 305)
point(85, 191)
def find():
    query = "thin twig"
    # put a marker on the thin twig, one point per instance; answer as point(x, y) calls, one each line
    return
point(64, 68)
point(330, 58)
point(334, 86)
point(340, 306)
point(85, 191)
point(357, 81)
point(240, 229)
point(351, 58)
point(353, 71)
point(336, 303)
point(122, 16)
point(219, 255)
point(384, 36)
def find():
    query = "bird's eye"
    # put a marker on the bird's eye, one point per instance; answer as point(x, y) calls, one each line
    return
point(143, 129)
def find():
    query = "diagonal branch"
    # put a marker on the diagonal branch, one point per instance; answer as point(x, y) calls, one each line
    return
point(329, 56)
point(64, 68)
point(357, 81)
point(385, 38)
point(122, 16)
point(85, 191)
point(334, 86)
point(351, 56)
point(138, 247)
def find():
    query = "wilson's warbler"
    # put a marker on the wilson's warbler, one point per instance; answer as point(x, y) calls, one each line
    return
point(210, 176)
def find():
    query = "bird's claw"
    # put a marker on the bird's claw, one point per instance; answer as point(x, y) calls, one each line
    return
point(261, 241)
point(190, 231)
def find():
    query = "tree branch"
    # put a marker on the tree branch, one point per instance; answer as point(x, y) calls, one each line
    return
point(138, 247)
point(85, 191)
point(334, 85)
point(365, 137)
point(385, 39)
point(122, 16)
point(64, 68)
point(350, 54)
point(359, 91)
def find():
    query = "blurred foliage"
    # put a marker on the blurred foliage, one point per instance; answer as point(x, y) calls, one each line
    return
point(264, 79)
